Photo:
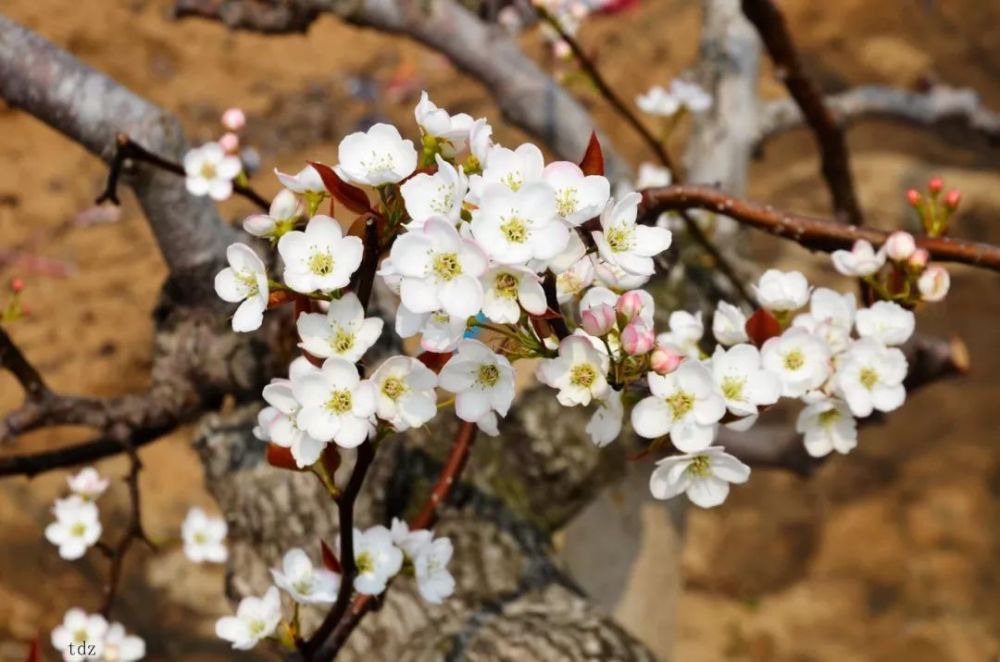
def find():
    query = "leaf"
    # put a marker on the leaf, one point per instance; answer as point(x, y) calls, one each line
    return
point(350, 196)
point(329, 558)
point(330, 459)
point(762, 326)
point(281, 458)
point(433, 360)
point(593, 158)
point(35, 651)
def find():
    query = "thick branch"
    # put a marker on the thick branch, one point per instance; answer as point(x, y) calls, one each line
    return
point(940, 105)
point(813, 233)
point(836, 167)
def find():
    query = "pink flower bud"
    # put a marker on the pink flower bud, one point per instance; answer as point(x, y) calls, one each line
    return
point(900, 246)
point(663, 360)
point(230, 142)
point(935, 185)
point(234, 119)
point(952, 199)
point(919, 259)
point(598, 320)
point(637, 338)
point(629, 305)
point(934, 283)
point(913, 197)
point(16, 285)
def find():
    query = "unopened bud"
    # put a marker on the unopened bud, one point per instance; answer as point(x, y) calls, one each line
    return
point(934, 283)
point(598, 320)
point(935, 185)
point(900, 246)
point(637, 338)
point(913, 197)
point(16, 285)
point(230, 142)
point(663, 361)
point(629, 305)
point(919, 259)
point(234, 119)
point(952, 199)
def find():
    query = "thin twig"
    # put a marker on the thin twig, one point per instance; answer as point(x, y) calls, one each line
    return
point(836, 167)
point(14, 360)
point(126, 148)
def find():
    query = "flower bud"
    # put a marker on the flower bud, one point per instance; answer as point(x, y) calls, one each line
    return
point(230, 142)
point(952, 199)
point(900, 246)
point(598, 320)
point(16, 285)
point(913, 197)
point(935, 185)
point(919, 259)
point(637, 338)
point(629, 305)
point(934, 283)
point(234, 119)
point(663, 360)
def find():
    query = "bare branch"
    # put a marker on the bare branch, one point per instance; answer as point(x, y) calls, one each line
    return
point(836, 167)
point(940, 105)
point(14, 360)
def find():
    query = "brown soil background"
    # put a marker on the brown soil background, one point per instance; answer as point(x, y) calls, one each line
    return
point(892, 553)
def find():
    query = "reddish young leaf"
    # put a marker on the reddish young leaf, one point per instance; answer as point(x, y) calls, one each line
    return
point(281, 458)
point(329, 558)
point(593, 158)
point(330, 459)
point(761, 326)
point(349, 195)
point(433, 360)
point(280, 298)
point(35, 651)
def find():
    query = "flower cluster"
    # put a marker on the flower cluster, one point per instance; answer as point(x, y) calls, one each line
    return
point(683, 96)
point(83, 636)
point(78, 525)
point(213, 168)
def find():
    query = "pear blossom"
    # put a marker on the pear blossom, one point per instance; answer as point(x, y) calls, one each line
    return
point(630, 305)
point(508, 290)
point(377, 559)
point(439, 270)
point(204, 537)
point(664, 360)
point(782, 291)
point(574, 280)
point(440, 332)
point(87, 483)
point(899, 246)
point(255, 619)
point(451, 130)
point(606, 422)
point(729, 324)
point(234, 119)
point(321, 258)
point(870, 376)
point(624, 243)
point(799, 359)
point(887, 322)
point(652, 175)
point(410, 541)
point(76, 528)
point(343, 332)
point(438, 195)
point(480, 141)
point(704, 476)
point(827, 426)
point(598, 320)
point(658, 101)
point(579, 372)
point(862, 260)
point(210, 171)
point(615, 277)
point(376, 157)
point(744, 384)
point(682, 94)
point(79, 634)
point(934, 283)
point(244, 280)
point(830, 317)
point(119, 646)
point(285, 210)
point(575, 251)
point(685, 333)
point(482, 381)
point(579, 197)
point(336, 405)
point(282, 427)
point(510, 168)
point(404, 392)
point(686, 404)
point(430, 566)
point(306, 583)
point(306, 182)
point(637, 338)
point(516, 226)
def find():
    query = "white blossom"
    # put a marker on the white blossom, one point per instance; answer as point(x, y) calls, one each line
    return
point(934, 283)
point(481, 379)
point(343, 332)
point(282, 427)
point(87, 483)
point(686, 404)
point(799, 359)
point(652, 175)
point(377, 559)
point(830, 317)
point(408, 541)
point(255, 619)
point(210, 171)
point(574, 280)
point(579, 372)
point(887, 322)
point(827, 426)
point(76, 528)
point(320, 258)
point(744, 384)
point(508, 290)
point(306, 182)
point(704, 476)
point(306, 583)
point(119, 646)
point(77, 633)
point(682, 94)
point(204, 537)
point(452, 130)
point(862, 260)
point(782, 291)
point(336, 405)
point(285, 210)
point(435, 195)
point(510, 168)
point(624, 243)
point(244, 280)
point(480, 140)
point(606, 422)
point(430, 565)
point(729, 324)
point(440, 332)
point(516, 226)
point(685, 333)
point(404, 392)
point(870, 376)
point(579, 197)
point(376, 157)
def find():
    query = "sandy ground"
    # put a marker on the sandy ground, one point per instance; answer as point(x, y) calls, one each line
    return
point(887, 554)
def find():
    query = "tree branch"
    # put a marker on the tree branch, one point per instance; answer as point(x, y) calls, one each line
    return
point(836, 167)
point(15, 361)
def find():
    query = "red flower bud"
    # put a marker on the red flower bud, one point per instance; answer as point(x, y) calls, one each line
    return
point(952, 199)
point(935, 185)
point(16, 285)
point(913, 197)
